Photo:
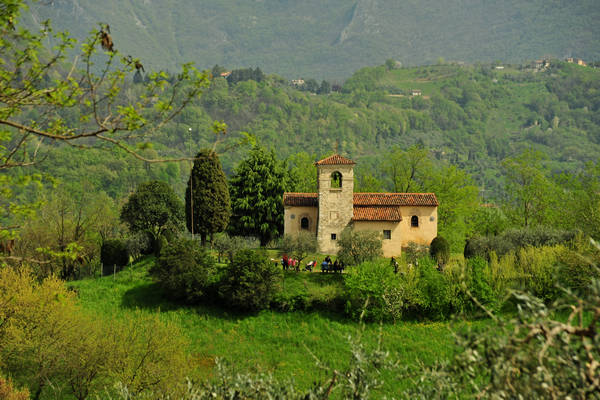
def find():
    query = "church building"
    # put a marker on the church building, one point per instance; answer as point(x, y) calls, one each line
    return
point(400, 218)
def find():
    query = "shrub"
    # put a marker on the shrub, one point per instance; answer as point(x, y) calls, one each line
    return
point(476, 246)
point(160, 244)
point(577, 266)
point(359, 246)
point(368, 282)
point(391, 297)
point(185, 270)
point(9, 392)
point(539, 269)
point(515, 239)
point(433, 294)
point(46, 338)
point(479, 282)
point(250, 281)
point(114, 252)
point(439, 249)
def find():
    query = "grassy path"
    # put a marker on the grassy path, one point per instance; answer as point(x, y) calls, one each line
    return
point(268, 341)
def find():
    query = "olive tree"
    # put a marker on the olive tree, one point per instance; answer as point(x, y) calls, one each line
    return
point(300, 245)
point(356, 247)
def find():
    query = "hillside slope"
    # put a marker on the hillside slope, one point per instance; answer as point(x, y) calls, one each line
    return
point(473, 116)
point(312, 38)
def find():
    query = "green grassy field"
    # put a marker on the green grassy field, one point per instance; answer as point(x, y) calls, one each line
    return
point(268, 341)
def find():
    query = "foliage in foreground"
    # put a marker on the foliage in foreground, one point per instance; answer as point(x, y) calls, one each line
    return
point(543, 352)
point(50, 346)
point(537, 354)
point(9, 392)
point(85, 104)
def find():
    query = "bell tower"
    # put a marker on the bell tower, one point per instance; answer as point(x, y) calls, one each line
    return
point(335, 180)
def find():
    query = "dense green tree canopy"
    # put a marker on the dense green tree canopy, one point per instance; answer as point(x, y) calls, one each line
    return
point(207, 205)
point(530, 196)
point(256, 189)
point(153, 208)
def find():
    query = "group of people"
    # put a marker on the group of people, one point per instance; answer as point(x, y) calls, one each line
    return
point(336, 266)
point(290, 263)
point(326, 266)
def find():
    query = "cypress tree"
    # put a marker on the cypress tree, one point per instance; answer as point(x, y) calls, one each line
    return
point(207, 196)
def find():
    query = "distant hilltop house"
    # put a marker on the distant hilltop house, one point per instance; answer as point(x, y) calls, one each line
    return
point(541, 64)
point(415, 92)
point(298, 82)
point(577, 61)
point(225, 74)
point(401, 218)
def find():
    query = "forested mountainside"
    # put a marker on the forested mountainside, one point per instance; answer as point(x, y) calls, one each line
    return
point(312, 38)
point(473, 116)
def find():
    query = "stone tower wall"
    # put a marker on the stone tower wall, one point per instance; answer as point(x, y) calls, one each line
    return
point(335, 205)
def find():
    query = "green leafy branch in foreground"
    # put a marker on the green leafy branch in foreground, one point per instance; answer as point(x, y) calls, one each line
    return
point(33, 77)
point(46, 99)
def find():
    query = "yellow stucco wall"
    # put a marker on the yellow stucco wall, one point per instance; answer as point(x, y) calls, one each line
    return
point(391, 247)
point(291, 225)
point(427, 229)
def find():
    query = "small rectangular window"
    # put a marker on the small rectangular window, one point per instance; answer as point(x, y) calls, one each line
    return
point(387, 234)
point(333, 236)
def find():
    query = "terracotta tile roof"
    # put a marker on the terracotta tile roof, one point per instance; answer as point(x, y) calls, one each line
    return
point(367, 199)
point(335, 159)
point(301, 199)
point(379, 213)
point(395, 199)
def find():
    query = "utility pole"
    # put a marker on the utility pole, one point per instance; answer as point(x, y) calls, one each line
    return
point(191, 185)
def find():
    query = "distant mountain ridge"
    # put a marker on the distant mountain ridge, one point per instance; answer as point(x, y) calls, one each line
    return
point(331, 39)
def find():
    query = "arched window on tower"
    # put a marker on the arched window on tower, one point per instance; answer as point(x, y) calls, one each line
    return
point(336, 180)
point(304, 223)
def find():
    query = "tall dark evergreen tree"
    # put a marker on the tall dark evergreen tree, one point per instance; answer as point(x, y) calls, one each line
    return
point(207, 204)
point(256, 190)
